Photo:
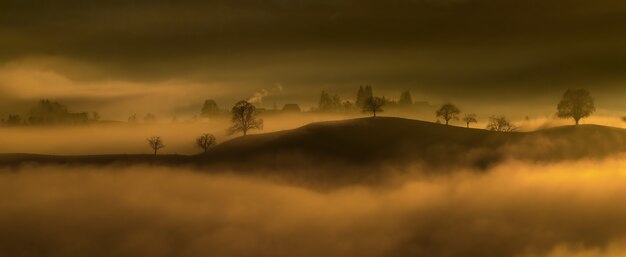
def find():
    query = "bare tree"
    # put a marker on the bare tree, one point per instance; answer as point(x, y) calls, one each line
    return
point(206, 141)
point(155, 143)
point(448, 112)
point(244, 118)
point(576, 104)
point(149, 118)
point(133, 118)
point(373, 105)
point(500, 123)
point(469, 118)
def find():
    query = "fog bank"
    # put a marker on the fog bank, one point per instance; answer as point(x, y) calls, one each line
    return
point(515, 209)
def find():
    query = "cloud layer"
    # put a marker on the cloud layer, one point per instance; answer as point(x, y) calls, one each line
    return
point(517, 209)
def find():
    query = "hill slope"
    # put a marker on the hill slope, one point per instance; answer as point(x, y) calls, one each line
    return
point(375, 142)
point(397, 142)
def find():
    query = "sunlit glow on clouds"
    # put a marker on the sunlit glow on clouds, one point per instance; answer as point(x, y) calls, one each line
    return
point(28, 82)
point(31, 82)
point(513, 210)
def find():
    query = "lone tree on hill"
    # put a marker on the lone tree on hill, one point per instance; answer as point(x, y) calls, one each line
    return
point(448, 112)
point(155, 143)
point(244, 118)
point(373, 105)
point(576, 104)
point(500, 123)
point(206, 141)
point(469, 118)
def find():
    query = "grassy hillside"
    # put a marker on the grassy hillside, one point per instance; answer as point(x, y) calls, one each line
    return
point(374, 142)
point(397, 142)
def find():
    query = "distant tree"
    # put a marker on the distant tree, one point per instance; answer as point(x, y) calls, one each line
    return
point(373, 105)
point(576, 104)
point(347, 105)
point(206, 141)
point(149, 118)
point(50, 112)
point(155, 143)
point(405, 98)
point(469, 118)
point(209, 108)
point(95, 116)
point(244, 118)
point(13, 120)
point(359, 96)
point(362, 95)
point(329, 102)
point(448, 112)
point(324, 102)
point(500, 123)
point(335, 102)
point(133, 118)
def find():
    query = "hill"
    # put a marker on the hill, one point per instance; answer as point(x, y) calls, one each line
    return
point(397, 142)
point(375, 142)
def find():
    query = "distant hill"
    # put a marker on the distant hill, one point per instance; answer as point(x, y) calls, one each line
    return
point(360, 147)
point(397, 142)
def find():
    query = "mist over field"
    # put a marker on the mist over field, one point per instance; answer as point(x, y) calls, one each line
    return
point(122, 137)
point(514, 209)
point(130, 138)
point(312, 128)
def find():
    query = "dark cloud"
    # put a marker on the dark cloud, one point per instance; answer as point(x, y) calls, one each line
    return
point(448, 49)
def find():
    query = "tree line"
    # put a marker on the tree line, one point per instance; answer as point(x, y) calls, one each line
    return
point(575, 104)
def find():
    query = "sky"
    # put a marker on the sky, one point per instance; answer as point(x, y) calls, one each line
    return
point(121, 57)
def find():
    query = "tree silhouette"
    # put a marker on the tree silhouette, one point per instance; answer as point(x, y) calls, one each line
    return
point(133, 118)
point(155, 143)
point(448, 112)
point(13, 120)
point(329, 102)
point(373, 105)
point(209, 108)
point(362, 95)
point(244, 118)
point(500, 123)
point(206, 141)
point(405, 98)
point(50, 112)
point(469, 118)
point(95, 116)
point(576, 104)
point(149, 118)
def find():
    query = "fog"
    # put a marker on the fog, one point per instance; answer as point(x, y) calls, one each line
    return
point(514, 209)
point(179, 137)
point(130, 138)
